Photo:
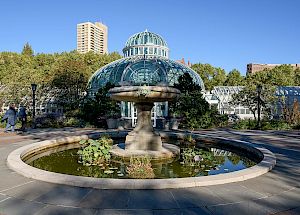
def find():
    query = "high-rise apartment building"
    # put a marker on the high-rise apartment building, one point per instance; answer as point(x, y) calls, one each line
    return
point(92, 37)
point(256, 67)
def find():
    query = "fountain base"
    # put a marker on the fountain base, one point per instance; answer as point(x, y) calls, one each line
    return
point(143, 140)
point(167, 151)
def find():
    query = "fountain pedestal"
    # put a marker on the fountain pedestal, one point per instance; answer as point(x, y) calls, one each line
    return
point(143, 136)
point(143, 140)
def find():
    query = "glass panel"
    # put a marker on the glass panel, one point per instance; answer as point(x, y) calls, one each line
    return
point(141, 50)
point(150, 50)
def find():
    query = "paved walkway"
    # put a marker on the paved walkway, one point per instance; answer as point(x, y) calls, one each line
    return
point(277, 192)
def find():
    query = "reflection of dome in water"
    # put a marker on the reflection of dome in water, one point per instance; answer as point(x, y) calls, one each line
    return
point(146, 63)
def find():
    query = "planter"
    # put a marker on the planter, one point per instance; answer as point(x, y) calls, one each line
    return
point(112, 123)
point(174, 123)
point(124, 123)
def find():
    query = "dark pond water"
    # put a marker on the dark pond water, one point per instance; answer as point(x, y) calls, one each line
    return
point(215, 161)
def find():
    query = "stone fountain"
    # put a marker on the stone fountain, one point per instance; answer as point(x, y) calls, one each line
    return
point(143, 140)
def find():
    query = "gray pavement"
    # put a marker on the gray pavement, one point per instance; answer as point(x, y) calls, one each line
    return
point(277, 192)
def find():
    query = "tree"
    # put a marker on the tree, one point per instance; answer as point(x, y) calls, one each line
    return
point(61, 75)
point(218, 78)
point(186, 84)
point(210, 75)
point(192, 107)
point(282, 75)
point(27, 50)
point(234, 78)
point(297, 77)
point(248, 97)
point(70, 78)
point(100, 106)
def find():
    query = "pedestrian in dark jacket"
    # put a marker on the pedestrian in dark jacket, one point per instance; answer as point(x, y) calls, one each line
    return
point(11, 117)
point(22, 115)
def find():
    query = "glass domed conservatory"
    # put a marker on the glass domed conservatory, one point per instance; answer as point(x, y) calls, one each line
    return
point(146, 62)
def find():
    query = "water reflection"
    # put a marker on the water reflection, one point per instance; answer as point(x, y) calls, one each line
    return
point(215, 161)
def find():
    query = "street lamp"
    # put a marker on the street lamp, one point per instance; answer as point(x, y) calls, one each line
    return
point(258, 90)
point(33, 88)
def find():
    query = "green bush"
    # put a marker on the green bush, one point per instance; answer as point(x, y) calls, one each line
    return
point(245, 124)
point(192, 108)
point(96, 110)
point(275, 125)
point(265, 125)
point(95, 152)
point(73, 122)
point(50, 120)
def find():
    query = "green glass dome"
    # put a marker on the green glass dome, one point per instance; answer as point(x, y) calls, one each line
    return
point(146, 38)
point(141, 70)
point(146, 43)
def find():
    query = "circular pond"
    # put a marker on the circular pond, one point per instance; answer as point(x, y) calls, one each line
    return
point(219, 161)
point(210, 161)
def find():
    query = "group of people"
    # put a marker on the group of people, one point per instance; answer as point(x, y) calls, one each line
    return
point(11, 116)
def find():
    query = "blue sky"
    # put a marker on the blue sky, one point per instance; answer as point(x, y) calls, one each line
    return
point(227, 34)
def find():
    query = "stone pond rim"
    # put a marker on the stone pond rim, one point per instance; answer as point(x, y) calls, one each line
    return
point(16, 163)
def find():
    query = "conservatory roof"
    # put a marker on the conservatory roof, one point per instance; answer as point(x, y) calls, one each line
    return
point(141, 70)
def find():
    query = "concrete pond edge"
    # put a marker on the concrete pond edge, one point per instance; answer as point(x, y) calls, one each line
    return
point(15, 162)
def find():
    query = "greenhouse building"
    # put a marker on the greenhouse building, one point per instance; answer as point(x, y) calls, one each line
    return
point(146, 62)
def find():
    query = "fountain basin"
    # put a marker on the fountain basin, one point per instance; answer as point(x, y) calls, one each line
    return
point(144, 93)
point(16, 163)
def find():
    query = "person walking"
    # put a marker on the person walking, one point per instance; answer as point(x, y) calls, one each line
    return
point(11, 117)
point(22, 115)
